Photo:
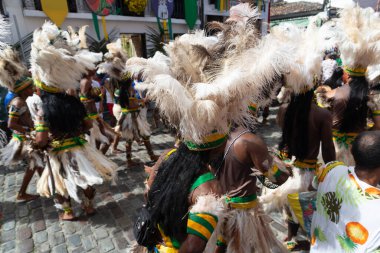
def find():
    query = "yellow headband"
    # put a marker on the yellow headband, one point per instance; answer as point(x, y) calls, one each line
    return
point(46, 88)
point(355, 71)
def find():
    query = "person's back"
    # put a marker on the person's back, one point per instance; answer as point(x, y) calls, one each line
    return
point(348, 200)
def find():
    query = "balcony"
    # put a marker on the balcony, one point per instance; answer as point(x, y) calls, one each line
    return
point(79, 9)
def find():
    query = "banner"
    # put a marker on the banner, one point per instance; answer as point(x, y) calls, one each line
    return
point(191, 13)
point(56, 10)
point(101, 8)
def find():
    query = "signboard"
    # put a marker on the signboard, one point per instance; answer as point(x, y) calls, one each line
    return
point(101, 7)
point(163, 9)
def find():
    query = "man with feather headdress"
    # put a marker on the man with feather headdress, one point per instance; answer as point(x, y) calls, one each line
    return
point(73, 166)
point(130, 124)
point(203, 86)
point(14, 76)
point(357, 34)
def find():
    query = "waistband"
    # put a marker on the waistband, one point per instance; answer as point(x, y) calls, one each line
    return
point(60, 145)
point(343, 138)
point(92, 116)
point(376, 113)
point(307, 164)
point(164, 249)
point(245, 202)
point(129, 110)
point(20, 137)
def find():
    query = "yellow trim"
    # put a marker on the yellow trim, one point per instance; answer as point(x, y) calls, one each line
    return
point(306, 164)
point(295, 205)
point(246, 205)
point(199, 228)
point(46, 88)
point(23, 85)
point(165, 239)
point(355, 71)
point(323, 173)
point(164, 249)
point(170, 153)
point(207, 217)
point(221, 239)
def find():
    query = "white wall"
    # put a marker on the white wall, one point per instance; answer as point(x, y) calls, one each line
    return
point(29, 20)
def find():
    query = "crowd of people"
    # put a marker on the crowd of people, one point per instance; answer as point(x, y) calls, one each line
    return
point(214, 190)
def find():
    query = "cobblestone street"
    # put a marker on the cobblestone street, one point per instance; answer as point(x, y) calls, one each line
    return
point(35, 227)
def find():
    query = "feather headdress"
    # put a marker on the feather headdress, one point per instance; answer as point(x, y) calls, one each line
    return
point(358, 33)
point(204, 84)
point(307, 48)
point(58, 58)
point(13, 73)
point(115, 59)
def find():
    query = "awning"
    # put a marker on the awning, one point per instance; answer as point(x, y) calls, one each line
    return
point(300, 22)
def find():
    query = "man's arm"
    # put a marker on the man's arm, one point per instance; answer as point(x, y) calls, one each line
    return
point(328, 149)
point(196, 241)
point(251, 149)
point(14, 114)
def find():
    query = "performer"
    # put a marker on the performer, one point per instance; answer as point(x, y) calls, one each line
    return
point(14, 76)
point(101, 134)
point(126, 109)
point(349, 102)
point(348, 200)
point(73, 165)
point(198, 97)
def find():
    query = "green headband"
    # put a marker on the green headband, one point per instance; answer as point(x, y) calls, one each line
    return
point(22, 84)
point(211, 141)
point(355, 71)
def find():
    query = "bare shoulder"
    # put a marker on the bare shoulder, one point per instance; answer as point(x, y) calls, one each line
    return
point(211, 187)
point(250, 140)
point(321, 113)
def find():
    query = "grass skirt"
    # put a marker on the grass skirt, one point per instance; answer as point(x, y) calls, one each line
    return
point(75, 168)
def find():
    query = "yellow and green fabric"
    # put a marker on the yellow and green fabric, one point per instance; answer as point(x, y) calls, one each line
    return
point(69, 143)
point(307, 164)
point(343, 139)
point(245, 202)
point(201, 224)
point(22, 84)
point(211, 141)
point(358, 71)
point(18, 136)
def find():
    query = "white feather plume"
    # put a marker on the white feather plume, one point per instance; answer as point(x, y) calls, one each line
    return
point(358, 32)
point(57, 60)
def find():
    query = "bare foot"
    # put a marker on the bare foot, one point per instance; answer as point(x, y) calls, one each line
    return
point(26, 197)
point(67, 216)
point(116, 151)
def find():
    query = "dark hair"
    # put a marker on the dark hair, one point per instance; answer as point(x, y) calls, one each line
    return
point(355, 115)
point(124, 94)
point(169, 194)
point(295, 131)
point(366, 150)
point(335, 80)
point(63, 113)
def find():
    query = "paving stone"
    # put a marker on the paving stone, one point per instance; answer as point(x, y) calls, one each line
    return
point(106, 245)
point(39, 226)
point(87, 230)
point(8, 235)
point(26, 245)
point(44, 247)
point(100, 233)
point(6, 247)
point(23, 211)
point(41, 237)
point(74, 240)
point(56, 238)
point(37, 214)
point(35, 203)
point(69, 228)
point(88, 243)
point(78, 250)
point(121, 242)
point(9, 225)
point(60, 249)
point(24, 233)
point(55, 227)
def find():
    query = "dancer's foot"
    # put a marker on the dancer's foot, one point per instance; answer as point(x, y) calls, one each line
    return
point(116, 151)
point(26, 197)
point(67, 216)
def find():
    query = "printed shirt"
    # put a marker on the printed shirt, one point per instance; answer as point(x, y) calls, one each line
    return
point(346, 217)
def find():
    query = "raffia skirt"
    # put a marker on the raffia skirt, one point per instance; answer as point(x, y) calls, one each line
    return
point(78, 165)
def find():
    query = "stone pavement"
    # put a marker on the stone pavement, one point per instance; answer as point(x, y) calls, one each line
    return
point(35, 227)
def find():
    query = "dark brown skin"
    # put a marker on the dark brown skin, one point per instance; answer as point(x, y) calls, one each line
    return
point(371, 177)
point(192, 243)
point(320, 130)
point(19, 124)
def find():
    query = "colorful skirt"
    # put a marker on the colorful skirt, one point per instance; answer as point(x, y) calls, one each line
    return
point(75, 164)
